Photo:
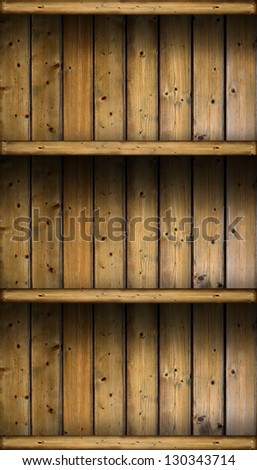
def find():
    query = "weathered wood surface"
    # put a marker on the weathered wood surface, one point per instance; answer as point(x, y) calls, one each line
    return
point(241, 356)
point(109, 259)
point(77, 195)
point(129, 148)
point(130, 442)
point(14, 203)
point(127, 8)
point(112, 98)
point(174, 250)
point(142, 247)
point(46, 210)
point(141, 295)
point(208, 245)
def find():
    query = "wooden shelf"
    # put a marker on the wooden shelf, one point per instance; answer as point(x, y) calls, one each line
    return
point(128, 295)
point(128, 7)
point(129, 442)
point(205, 148)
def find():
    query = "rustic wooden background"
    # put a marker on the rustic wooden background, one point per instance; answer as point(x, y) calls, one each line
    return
point(137, 369)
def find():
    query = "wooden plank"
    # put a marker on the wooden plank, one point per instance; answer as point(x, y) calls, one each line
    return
point(208, 261)
point(130, 443)
point(241, 254)
point(127, 8)
point(109, 245)
point(116, 148)
point(241, 91)
point(174, 250)
point(14, 241)
point(77, 195)
point(142, 244)
point(140, 295)
point(77, 77)
point(46, 210)
point(14, 115)
point(175, 78)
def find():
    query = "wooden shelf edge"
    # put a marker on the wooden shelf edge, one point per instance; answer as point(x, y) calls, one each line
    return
point(128, 7)
point(128, 442)
point(175, 148)
point(128, 295)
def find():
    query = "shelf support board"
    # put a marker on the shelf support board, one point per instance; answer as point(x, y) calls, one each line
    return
point(128, 295)
point(128, 7)
point(88, 148)
point(128, 442)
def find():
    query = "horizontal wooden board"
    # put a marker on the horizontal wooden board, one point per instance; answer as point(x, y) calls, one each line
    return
point(129, 295)
point(128, 148)
point(130, 442)
point(127, 8)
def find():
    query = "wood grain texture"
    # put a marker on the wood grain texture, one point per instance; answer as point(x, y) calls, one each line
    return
point(208, 197)
point(130, 442)
point(208, 78)
point(117, 148)
point(175, 78)
point(109, 243)
point(174, 249)
point(14, 241)
point(142, 213)
point(241, 242)
point(141, 295)
point(241, 78)
point(141, 78)
point(46, 212)
point(131, 7)
point(78, 244)
point(77, 370)
point(14, 86)
point(77, 77)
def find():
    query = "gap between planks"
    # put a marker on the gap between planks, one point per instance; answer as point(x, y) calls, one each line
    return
point(128, 295)
point(128, 8)
point(59, 148)
point(129, 442)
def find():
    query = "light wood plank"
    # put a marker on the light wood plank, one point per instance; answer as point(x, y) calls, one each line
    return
point(132, 7)
point(77, 370)
point(14, 111)
point(77, 196)
point(109, 245)
point(175, 78)
point(208, 263)
point(175, 250)
point(140, 295)
point(14, 242)
point(117, 148)
point(142, 244)
point(241, 201)
point(77, 77)
point(131, 443)
point(46, 203)
point(241, 78)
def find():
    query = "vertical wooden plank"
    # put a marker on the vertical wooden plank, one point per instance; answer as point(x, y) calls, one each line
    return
point(14, 241)
point(109, 242)
point(175, 249)
point(142, 212)
point(175, 78)
point(14, 72)
point(241, 235)
point(46, 207)
point(208, 367)
point(77, 196)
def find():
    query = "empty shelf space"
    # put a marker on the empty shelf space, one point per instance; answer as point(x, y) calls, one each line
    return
point(108, 148)
point(129, 7)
